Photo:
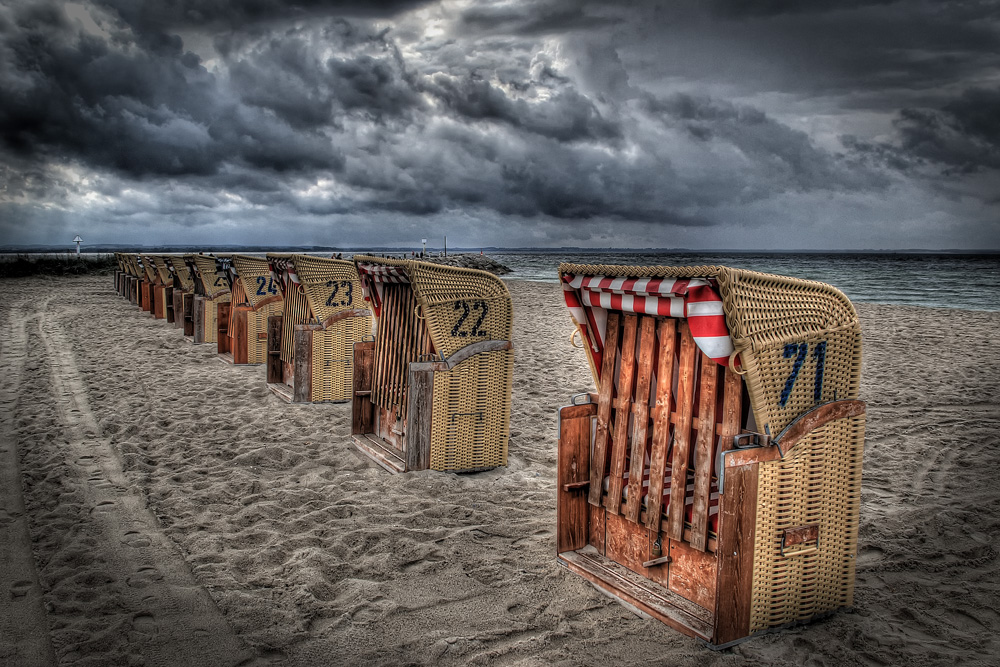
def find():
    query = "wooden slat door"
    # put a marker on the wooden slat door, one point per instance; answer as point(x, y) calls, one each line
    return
point(401, 339)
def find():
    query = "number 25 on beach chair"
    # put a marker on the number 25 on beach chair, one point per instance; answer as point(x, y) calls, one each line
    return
point(255, 297)
point(211, 289)
point(432, 391)
point(714, 480)
point(310, 346)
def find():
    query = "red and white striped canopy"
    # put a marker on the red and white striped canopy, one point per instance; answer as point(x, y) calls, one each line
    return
point(589, 299)
point(373, 277)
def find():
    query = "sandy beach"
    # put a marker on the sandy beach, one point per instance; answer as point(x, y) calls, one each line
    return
point(160, 507)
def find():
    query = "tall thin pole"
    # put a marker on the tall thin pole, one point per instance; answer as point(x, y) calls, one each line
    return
point(445, 246)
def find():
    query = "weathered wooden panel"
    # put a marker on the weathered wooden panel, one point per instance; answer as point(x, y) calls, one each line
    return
point(273, 368)
point(667, 333)
point(240, 340)
point(693, 574)
point(572, 509)
point(627, 543)
point(619, 441)
point(644, 378)
point(302, 383)
point(362, 410)
point(704, 446)
point(604, 396)
point(737, 527)
point(417, 445)
point(682, 434)
point(223, 343)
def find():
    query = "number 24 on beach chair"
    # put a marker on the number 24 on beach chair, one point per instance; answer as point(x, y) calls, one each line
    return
point(243, 323)
point(714, 479)
point(311, 344)
point(432, 391)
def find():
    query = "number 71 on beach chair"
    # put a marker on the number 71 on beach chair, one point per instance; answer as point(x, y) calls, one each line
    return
point(713, 480)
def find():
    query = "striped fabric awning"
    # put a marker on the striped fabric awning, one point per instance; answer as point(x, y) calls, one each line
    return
point(283, 272)
point(590, 297)
point(373, 277)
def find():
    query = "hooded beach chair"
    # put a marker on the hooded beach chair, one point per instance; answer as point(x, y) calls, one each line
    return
point(163, 289)
point(182, 295)
point(310, 346)
point(255, 297)
point(146, 280)
point(433, 389)
point(714, 479)
point(132, 278)
point(119, 274)
point(211, 278)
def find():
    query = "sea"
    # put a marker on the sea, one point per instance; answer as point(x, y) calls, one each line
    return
point(933, 280)
point(945, 280)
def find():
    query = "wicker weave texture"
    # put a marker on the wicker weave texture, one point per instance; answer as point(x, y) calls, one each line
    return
point(162, 270)
point(471, 413)
point(257, 326)
point(213, 283)
point(333, 358)
point(148, 268)
point(461, 306)
point(257, 280)
point(211, 318)
point(818, 482)
point(798, 340)
point(331, 285)
point(182, 272)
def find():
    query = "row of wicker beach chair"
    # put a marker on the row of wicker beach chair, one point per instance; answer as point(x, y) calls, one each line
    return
point(711, 481)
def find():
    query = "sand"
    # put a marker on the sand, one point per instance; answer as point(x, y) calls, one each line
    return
point(160, 507)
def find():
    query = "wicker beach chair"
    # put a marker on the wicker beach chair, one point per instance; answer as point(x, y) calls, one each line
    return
point(163, 289)
point(147, 274)
point(119, 274)
point(433, 390)
point(182, 295)
point(311, 344)
point(713, 481)
point(255, 298)
point(133, 275)
point(211, 278)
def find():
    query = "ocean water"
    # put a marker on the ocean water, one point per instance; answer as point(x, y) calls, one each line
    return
point(970, 282)
point(944, 280)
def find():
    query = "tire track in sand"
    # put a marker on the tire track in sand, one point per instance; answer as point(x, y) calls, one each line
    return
point(149, 609)
point(24, 627)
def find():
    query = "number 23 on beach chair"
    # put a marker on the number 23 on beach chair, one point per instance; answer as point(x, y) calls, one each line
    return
point(211, 288)
point(311, 344)
point(432, 391)
point(714, 479)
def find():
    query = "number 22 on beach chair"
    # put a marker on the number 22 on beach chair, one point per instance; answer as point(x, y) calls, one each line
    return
point(432, 390)
point(713, 480)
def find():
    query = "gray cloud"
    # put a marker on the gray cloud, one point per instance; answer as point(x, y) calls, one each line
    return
point(541, 122)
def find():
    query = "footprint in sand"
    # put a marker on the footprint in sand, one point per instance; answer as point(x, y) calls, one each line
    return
point(144, 623)
point(103, 506)
point(20, 588)
point(135, 540)
point(143, 577)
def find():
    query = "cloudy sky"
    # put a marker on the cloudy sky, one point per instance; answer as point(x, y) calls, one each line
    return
point(715, 124)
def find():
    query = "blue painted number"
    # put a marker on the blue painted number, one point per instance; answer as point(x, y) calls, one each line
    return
point(799, 351)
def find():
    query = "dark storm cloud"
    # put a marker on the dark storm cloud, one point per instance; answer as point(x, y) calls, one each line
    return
point(142, 112)
point(563, 114)
point(964, 134)
point(161, 15)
